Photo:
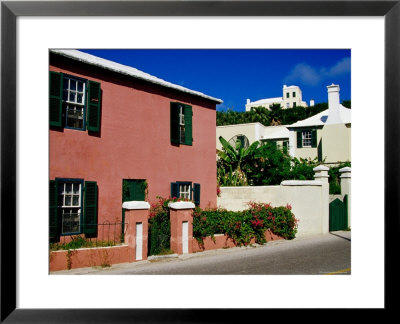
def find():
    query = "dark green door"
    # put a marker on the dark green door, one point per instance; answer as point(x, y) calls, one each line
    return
point(132, 189)
point(338, 215)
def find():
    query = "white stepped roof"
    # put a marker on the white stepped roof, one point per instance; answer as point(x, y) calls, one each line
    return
point(266, 101)
point(127, 70)
point(320, 119)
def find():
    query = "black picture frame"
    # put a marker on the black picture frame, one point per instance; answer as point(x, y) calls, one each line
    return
point(10, 10)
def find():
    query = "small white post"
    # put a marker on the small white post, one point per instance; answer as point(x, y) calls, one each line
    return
point(185, 237)
point(139, 241)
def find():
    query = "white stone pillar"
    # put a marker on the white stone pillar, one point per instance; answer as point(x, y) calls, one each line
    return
point(321, 173)
point(345, 184)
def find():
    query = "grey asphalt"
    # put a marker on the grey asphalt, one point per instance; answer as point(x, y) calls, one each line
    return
point(320, 254)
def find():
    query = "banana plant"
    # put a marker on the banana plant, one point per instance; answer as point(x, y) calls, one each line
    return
point(235, 156)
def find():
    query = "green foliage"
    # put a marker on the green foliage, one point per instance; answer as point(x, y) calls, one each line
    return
point(334, 178)
point(243, 226)
point(266, 165)
point(347, 103)
point(230, 162)
point(302, 169)
point(269, 166)
point(78, 242)
point(160, 226)
point(268, 117)
point(235, 156)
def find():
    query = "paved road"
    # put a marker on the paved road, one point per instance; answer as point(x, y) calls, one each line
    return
point(322, 254)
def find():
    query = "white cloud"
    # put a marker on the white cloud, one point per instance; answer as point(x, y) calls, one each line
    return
point(306, 74)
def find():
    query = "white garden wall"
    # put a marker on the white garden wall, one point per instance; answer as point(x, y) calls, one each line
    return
point(309, 201)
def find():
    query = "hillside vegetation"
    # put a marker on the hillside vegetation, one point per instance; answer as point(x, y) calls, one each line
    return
point(273, 117)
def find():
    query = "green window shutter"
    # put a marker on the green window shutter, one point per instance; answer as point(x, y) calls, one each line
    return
point(188, 125)
point(133, 190)
point(175, 190)
point(314, 138)
point(139, 190)
point(90, 209)
point(299, 139)
point(93, 106)
point(320, 151)
point(174, 122)
point(196, 193)
point(55, 98)
point(54, 228)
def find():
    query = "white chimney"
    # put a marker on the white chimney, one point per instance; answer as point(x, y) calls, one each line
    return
point(312, 103)
point(248, 101)
point(333, 104)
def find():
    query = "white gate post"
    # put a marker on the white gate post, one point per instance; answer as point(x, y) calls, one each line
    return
point(321, 175)
point(345, 184)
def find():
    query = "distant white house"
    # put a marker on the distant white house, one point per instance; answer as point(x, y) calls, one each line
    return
point(291, 97)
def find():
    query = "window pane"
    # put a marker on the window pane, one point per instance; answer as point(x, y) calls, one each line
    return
point(80, 86)
point(75, 201)
point(70, 221)
point(72, 84)
point(67, 200)
point(76, 188)
point(79, 98)
point(72, 96)
point(75, 116)
point(182, 128)
point(68, 188)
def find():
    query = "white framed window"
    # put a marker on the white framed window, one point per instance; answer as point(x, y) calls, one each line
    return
point(287, 105)
point(74, 99)
point(185, 190)
point(70, 203)
point(307, 138)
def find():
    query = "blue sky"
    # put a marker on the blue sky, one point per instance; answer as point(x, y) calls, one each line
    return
point(234, 75)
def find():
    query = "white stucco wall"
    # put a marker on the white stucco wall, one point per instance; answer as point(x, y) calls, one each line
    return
point(336, 143)
point(309, 201)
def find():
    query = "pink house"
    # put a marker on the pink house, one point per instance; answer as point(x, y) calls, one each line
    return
point(118, 134)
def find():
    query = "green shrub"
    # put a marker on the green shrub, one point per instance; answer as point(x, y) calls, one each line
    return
point(160, 226)
point(78, 242)
point(334, 178)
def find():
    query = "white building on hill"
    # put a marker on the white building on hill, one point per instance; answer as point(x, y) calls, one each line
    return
point(291, 97)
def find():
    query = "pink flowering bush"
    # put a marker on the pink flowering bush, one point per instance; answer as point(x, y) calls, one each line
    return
point(245, 225)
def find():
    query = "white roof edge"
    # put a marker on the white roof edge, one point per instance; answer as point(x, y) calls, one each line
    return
point(266, 100)
point(244, 124)
point(127, 70)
